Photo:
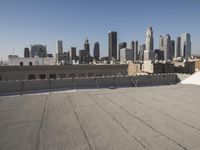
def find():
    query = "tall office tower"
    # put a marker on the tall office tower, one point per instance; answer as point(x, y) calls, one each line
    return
point(185, 45)
point(178, 47)
point(112, 42)
point(134, 47)
point(172, 44)
point(148, 53)
point(165, 46)
point(135, 51)
point(87, 45)
point(149, 39)
point(121, 45)
point(73, 53)
point(126, 54)
point(26, 52)
point(59, 45)
point(141, 52)
point(96, 51)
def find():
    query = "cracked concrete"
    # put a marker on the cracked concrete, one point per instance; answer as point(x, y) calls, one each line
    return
point(148, 118)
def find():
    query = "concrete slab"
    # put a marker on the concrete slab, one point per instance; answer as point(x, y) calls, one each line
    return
point(149, 118)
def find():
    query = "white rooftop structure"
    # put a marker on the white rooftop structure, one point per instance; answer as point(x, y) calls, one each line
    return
point(193, 79)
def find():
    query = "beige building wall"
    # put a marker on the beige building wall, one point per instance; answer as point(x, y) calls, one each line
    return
point(134, 68)
point(65, 71)
point(197, 65)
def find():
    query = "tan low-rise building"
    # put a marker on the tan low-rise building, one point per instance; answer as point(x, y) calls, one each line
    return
point(66, 71)
point(197, 65)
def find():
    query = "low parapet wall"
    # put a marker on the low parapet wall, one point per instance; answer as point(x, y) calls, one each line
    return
point(21, 87)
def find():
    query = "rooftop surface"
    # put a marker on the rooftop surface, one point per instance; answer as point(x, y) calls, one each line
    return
point(155, 118)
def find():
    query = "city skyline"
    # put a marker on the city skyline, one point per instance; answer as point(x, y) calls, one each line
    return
point(24, 23)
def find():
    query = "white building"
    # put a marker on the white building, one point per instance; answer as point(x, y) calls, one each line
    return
point(126, 54)
point(149, 53)
point(30, 61)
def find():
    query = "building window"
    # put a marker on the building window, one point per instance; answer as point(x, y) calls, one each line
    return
point(99, 74)
point(90, 74)
point(30, 64)
point(72, 75)
point(31, 77)
point(62, 75)
point(0, 78)
point(81, 75)
point(21, 63)
point(52, 76)
point(42, 76)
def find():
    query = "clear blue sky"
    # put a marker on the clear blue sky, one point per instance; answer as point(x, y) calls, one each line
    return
point(25, 22)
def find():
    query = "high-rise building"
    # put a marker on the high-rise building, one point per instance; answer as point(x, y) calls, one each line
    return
point(141, 52)
point(165, 46)
point(149, 39)
point(83, 56)
point(185, 45)
point(112, 42)
point(126, 54)
point(172, 43)
point(59, 46)
point(87, 45)
point(73, 53)
point(148, 53)
point(178, 47)
point(96, 51)
point(26, 52)
point(121, 45)
point(135, 51)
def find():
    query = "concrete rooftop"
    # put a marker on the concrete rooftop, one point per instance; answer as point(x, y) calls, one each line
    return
point(154, 118)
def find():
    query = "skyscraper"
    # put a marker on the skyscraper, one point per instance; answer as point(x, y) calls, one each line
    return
point(112, 42)
point(73, 53)
point(148, 53)
point(165, 46)
point(185, 45)
point(87, 45)
point(59, 46)
point(121, 45)
point(178, 47)
point(149, 39)
point(96, 51)
point(172, 43)
point(135, 51)
point(141, 52)
point(26, 52)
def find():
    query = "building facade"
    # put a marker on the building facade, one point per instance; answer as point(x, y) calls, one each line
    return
point(39, 50)
point(26, 52)
point(178, 47)
point(185, 45)
point(73, 53)
point(64, 71)
point(165, 46)
point(112, 45)
point(126, 54)
point(96, 51)
point(148, 53)
point(87, 46)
